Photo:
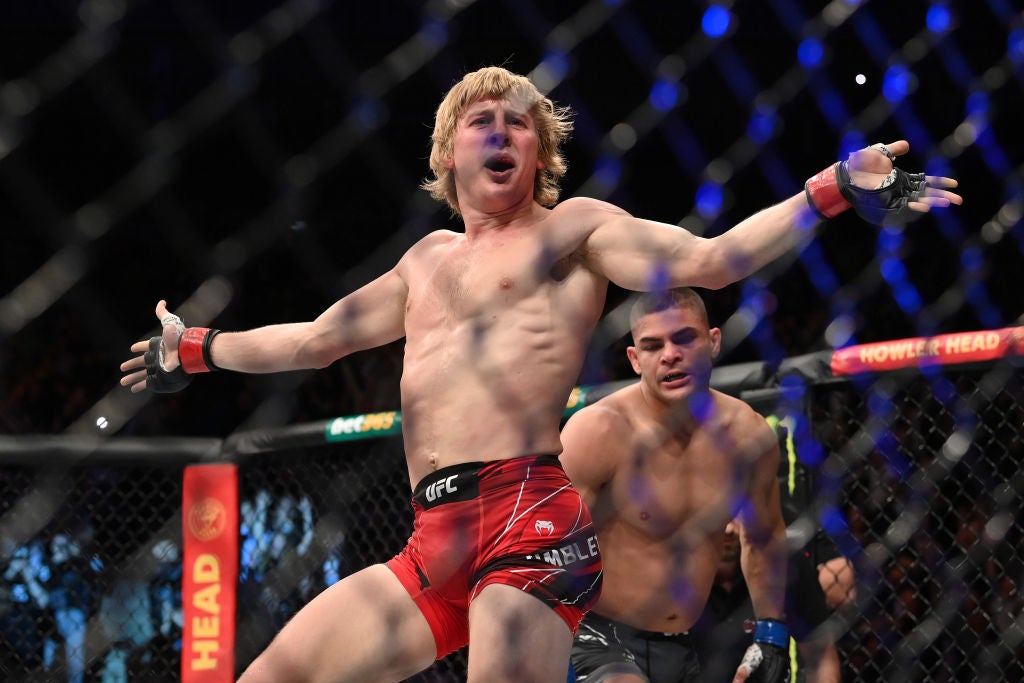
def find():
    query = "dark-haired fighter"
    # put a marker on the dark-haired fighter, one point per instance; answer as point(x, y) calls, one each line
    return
point(664, 465)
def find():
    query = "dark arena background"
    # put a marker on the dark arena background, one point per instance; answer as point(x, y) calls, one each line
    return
point(252, 162)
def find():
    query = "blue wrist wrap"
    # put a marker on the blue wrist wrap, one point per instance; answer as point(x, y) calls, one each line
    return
point(772, 632)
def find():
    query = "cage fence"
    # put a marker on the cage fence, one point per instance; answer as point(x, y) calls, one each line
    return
point(915, 477)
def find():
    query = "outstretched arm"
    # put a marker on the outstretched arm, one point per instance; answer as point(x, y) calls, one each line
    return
point(371, 316)
point(626, 249)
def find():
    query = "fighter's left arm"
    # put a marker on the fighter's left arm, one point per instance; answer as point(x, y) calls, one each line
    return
point(763, 530)
point(763, 559)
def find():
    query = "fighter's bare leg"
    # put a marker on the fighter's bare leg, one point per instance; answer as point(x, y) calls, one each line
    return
point(516, 638)
point(365, 628)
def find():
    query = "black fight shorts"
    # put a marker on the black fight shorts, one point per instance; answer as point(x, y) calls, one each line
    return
point(604, 648)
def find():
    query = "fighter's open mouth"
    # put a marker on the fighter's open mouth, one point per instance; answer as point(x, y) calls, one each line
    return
point(499, 165)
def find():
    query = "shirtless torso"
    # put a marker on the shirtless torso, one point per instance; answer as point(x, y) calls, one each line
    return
point(660, 499)
point(496, 327)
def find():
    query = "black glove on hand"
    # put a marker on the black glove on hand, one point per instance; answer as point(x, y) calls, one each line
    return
point(767, 660)
point(886, 204)
point(162, 381)
point(832, 191)
point(193, 346)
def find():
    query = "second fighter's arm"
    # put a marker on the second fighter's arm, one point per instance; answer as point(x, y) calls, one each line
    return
point(763, 529)
point(763, 558)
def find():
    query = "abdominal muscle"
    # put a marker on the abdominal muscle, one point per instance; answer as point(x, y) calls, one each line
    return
point(495, 337)
point(654, 585)
point(472, 396)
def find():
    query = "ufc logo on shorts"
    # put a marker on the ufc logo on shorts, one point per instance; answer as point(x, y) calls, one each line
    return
point(441, 487)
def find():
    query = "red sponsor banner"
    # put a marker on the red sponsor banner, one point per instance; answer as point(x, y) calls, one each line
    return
point(210, 573)
point(944, 349)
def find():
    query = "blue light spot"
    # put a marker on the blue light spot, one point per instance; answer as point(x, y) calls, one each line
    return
point(608, 171)
point(944, 390)
point(899, 465)
point(879, 404)
point(893, 270)
point(887, 444)
point(657, 279)
point(557, 63)
point(833, 521)
point(664, 95)
point(977, 104)
point(890, 240)
point(810, 52)
point(762, 125)
point(702, 406)
point(833, 108)
point(793, 387)
point(938, 18)
point(1015, 45)
point(937, 166)
point(972, 259)
point(709, 199)
point(851, 142)
point(715, 21)
point(907, 297)
point(810, 452)
point(896, 83)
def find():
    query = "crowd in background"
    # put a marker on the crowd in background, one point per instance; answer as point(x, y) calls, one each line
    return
point(67, 615)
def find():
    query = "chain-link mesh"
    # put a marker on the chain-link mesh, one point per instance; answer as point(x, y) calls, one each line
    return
point(91, 582)
point(253, 162)
point(916, 477)
point(931, 506)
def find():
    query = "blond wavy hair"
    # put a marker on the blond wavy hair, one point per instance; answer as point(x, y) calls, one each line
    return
point(553, 125)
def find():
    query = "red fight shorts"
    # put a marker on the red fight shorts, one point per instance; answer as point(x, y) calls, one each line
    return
point(516, 522)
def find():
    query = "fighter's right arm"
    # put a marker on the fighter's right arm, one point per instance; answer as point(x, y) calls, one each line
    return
point(371, 316)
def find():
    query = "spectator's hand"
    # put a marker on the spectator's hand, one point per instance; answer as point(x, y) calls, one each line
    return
point(158, 367)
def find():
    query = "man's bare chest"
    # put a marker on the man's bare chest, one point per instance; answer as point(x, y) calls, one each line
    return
point(485, 279)
point(661, 493)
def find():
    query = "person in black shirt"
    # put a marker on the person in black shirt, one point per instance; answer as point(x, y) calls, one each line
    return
point(721, 635)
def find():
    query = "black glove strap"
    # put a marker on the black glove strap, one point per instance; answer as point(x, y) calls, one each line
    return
point(161, 381)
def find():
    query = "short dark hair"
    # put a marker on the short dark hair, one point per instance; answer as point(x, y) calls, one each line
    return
point(679, 297)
